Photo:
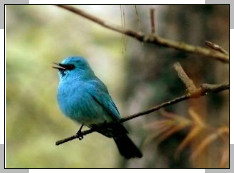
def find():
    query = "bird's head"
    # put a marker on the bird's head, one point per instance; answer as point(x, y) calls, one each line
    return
point(73, 66)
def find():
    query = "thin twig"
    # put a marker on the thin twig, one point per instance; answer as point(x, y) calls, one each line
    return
point(138, 19)
point(86, 132)
point(203, 90)
point(216, 47)
point(123, 24)
point(184, 77)
point(209, 88)
point(152, 20)
point(151, 38)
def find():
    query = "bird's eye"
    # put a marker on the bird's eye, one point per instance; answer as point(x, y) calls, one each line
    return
point(70, 67)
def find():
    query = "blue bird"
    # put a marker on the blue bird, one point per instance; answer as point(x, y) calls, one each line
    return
point(84, 98)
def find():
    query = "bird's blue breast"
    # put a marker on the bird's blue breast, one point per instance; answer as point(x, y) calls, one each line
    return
point(76, 103)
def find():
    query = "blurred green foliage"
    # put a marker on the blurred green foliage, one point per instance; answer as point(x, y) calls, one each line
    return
point(37, 36)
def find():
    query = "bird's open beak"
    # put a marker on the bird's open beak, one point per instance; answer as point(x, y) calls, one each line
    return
point(59, 66)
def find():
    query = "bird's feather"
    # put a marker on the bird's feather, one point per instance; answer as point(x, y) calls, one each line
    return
point(101, 95)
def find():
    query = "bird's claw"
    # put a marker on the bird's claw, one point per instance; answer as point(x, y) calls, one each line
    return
point(80, 137)
point(79, 134)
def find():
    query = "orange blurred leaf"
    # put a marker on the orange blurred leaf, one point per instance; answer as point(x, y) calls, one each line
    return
point(208, 140)
point(196, 118)
point(194, 132)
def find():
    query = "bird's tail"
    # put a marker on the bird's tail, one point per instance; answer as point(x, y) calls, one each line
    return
point(126, 147)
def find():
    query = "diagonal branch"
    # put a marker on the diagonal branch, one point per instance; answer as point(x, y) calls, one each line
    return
point(202, 91)
point(216, 47)
point(153, 39)
point(199, 92)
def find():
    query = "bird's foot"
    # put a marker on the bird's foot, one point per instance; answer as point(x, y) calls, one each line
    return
point(79, 134)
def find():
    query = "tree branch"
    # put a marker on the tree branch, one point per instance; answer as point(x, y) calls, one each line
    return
point(199, 92)
point(216, 47)
point(184, 77)
point(152, 20)
point(154, 39)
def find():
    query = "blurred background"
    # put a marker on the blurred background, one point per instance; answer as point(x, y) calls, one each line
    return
point(138, 76)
